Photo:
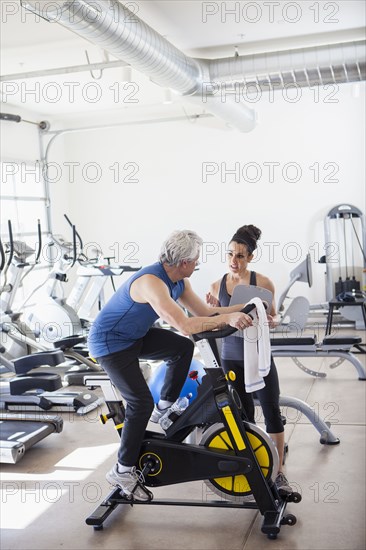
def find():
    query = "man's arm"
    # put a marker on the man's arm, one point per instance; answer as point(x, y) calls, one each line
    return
point(150, 289)
point(196, 306)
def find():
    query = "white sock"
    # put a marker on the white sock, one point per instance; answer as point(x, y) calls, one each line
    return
point(123, 469)
point(164, 404)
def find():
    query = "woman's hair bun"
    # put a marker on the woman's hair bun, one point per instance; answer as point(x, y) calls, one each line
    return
point(249, 235)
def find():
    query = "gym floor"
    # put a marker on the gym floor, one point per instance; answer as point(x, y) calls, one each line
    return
point(59, 482)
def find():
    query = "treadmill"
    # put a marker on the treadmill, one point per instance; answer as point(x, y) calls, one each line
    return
point(20, 431)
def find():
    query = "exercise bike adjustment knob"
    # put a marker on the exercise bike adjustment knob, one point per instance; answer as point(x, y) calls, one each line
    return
point(230, 376)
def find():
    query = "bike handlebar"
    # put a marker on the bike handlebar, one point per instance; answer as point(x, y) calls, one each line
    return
point(228, 330)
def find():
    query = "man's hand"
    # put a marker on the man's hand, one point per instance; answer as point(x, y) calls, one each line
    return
point(239, 320)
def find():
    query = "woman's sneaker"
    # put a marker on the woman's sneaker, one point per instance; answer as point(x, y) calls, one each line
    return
point(131, 483)
point(283, 487)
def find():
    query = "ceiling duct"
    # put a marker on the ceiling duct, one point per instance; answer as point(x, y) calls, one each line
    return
point(314, 66)
point(120, 32)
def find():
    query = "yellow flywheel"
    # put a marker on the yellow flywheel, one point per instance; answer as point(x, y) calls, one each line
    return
point(236, 488)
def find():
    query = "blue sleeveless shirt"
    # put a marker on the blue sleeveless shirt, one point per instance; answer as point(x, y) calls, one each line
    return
point(232, 346)
point(122, 321)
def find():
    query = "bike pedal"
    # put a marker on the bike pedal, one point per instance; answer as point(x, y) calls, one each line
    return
point(130, 498)
point(124, 496)
point(147, 492)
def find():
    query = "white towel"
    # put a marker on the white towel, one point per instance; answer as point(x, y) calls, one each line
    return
point(257, 349)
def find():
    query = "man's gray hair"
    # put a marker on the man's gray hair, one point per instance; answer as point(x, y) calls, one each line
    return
point(179, 246)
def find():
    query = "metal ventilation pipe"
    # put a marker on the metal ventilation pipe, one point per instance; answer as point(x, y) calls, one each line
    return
point(117, 30)
point(120, 32)
point(315, 66)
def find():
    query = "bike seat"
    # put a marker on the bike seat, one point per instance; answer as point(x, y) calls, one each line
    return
point(35, 381)
point(24, 364)
point(69, 342)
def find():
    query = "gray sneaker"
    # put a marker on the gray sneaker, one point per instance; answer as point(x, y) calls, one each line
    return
point(157, 414)
point(131, 483)
point(283, 487)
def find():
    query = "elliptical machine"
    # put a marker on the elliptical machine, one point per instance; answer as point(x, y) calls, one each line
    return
point(234, 458)
point(296, 315)
point(48, 315)
point(17, 338)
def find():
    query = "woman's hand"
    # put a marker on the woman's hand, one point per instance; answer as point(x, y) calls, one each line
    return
point(212, 300)
point(272, 321)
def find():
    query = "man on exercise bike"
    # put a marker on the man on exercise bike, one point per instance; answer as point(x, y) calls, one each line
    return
point(123, 333)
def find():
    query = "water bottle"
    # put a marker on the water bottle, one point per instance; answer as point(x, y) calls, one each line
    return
point(174, 411)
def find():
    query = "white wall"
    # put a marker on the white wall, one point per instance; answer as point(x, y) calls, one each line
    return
point(19, 141)
point(167, 190)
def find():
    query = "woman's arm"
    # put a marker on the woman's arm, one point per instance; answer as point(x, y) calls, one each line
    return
point(212, 296)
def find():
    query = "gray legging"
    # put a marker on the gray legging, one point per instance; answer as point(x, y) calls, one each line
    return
point(123, 369)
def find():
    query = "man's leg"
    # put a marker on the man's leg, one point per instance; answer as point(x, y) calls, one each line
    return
point(124, 371)
point(176, 351)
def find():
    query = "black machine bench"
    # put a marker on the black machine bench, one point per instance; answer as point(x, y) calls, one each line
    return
point(329, 347)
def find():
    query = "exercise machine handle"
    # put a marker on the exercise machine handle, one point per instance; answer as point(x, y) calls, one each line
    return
point(39, 241)
point(227, 331)
point(74, 246)
point(11, 244)
point(2, 254)
point(74, 229)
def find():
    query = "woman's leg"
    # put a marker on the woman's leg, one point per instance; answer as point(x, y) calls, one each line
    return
point(269, 400)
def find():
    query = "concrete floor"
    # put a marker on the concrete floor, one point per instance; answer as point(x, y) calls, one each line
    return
point(49, 493)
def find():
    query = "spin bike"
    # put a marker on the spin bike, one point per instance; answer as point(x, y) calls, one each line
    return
point(237, 460)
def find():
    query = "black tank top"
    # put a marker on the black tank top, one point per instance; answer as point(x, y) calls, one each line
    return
point(232, 346)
